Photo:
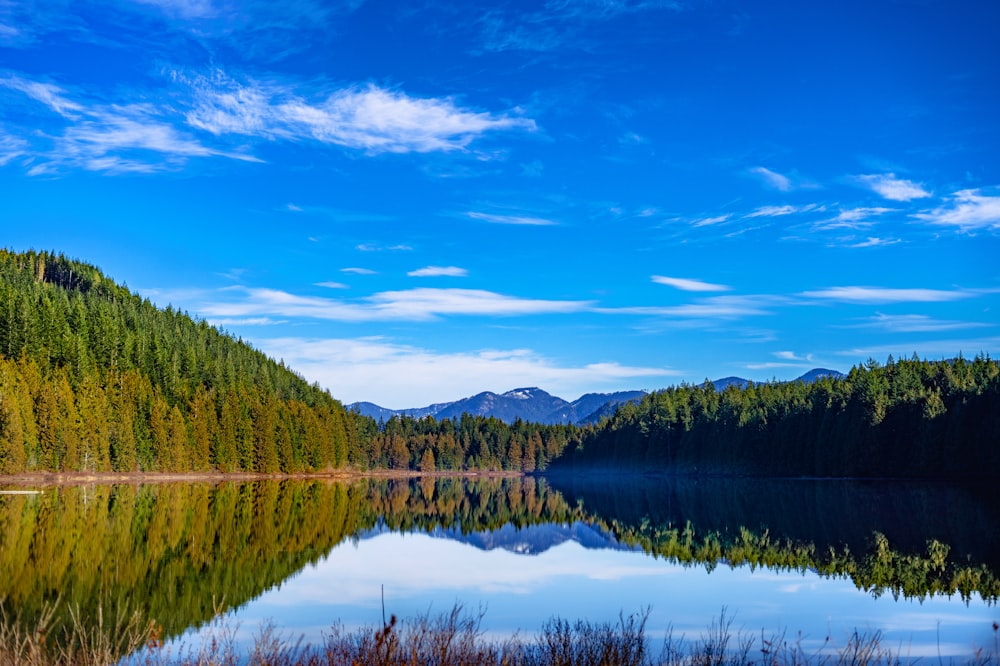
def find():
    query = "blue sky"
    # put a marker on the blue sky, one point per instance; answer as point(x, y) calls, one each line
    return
point(414, 202)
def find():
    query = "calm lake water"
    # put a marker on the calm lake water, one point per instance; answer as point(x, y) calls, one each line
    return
point(813, 559)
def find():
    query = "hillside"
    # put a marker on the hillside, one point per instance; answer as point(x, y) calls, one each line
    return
point(906, 419)
point(95, 378)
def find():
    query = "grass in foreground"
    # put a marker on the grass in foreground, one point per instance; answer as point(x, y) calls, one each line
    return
point(453, 638)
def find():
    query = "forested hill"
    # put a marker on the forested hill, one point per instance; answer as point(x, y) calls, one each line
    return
point(96, 378)
point(910, 418)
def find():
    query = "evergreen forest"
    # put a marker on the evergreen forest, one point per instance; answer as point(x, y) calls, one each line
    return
point(904, 419)
point(95, 378)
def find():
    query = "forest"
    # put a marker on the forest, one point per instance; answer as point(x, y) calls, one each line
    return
point(904, 419)
point(95, 378)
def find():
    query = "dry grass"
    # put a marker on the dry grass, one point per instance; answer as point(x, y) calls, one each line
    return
point(453, 638)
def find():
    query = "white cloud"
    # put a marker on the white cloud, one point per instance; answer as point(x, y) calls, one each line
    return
point(132, 128)
point(391, 375)
point(873, 241)
point(709, 221)
point(779, 211)
point(358, 271)
point(854, 218)
point(712, 308)
point(947, 348)
point(247, 321)
point(968, 210)
point(511, 219)
point(201, 111)
point(368, 118)
point(775, 365)
point(412, 305)
point(368, 247)
point(889, 187)
point(11, 147)
point(48, 94)
point(332, 285)
point(439, 271)
point(686, 284)
point(792, 356)
point(887, 295)
point(772, 179)
point(915, 323)
point(112, 138)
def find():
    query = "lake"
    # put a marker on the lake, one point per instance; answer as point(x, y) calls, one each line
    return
point(814, 560)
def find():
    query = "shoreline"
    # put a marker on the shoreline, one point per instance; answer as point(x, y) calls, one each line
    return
point(57, 479)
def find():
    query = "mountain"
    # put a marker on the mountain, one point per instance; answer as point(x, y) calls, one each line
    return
point(534, 405)
point(530, 404)
point(819, 373)
point(725, 382)
point(584, 409)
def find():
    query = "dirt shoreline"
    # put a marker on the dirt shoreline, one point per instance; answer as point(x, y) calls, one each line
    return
point(53, 479)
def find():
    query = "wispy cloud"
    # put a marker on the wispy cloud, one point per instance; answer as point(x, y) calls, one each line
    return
point(48, 94)
point(780, 211)
point(511, 219)
point(332, 285)
point(358, 271)
point(391, 374)
point(969, 210)
point(707, 309)
point(710, 221)
point(914, 323)
point(772, 179)
point(409, 305)
point(11, 147)
point(943, 348)
point(112, 138)
point(873, 241)
point(369, 247)
point(201, 116)
point(224, 322)
point(687, 284)
point(888, 186)
point(854, 218)
point(792, 356)
point(439, 271)
point(367, 118)
point(882, 295)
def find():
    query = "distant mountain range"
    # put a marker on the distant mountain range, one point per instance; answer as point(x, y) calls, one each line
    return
point(536, 406)
point(528, 404)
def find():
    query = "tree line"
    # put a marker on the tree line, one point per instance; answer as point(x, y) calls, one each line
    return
point(94, 378)
point(910, 418)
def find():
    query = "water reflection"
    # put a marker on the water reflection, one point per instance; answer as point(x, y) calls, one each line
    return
point(419, 573)
point(308, 553)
